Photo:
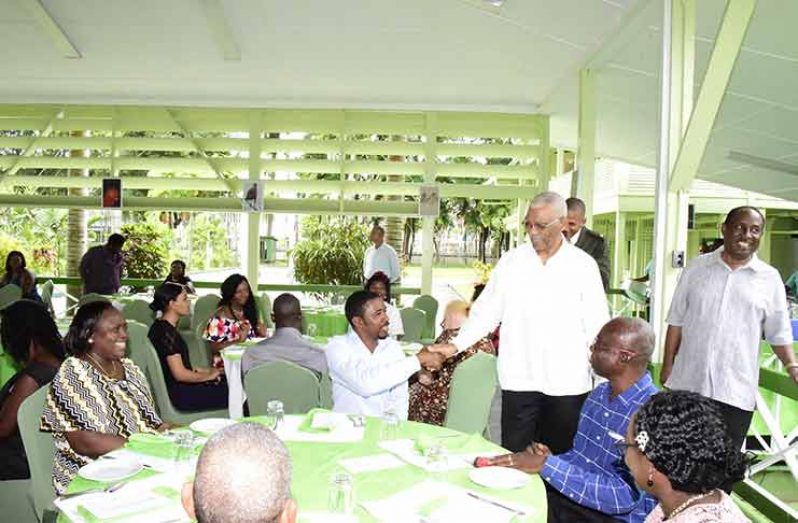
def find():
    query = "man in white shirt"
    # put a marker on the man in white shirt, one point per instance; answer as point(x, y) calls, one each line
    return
point(368, 369)
point(548, 297)
point(724, 303)
point(381, 257)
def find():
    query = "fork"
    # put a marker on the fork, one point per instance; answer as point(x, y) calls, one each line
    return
point(107, 490)
point(357, 421)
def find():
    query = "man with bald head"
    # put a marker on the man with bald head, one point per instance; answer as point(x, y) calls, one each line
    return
point(287, 343)
point(548, 298)
point(584, 484)
point(243, 476)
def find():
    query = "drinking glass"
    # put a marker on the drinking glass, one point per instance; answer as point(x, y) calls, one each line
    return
point(390, 425)
point(436, 457)
point(275, 410)
point(184, 455)
point(341, 495)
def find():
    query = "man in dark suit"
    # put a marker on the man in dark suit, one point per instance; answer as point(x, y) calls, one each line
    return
point(585, 239)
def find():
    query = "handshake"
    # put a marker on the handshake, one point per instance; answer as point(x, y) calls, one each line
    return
point(433, 356)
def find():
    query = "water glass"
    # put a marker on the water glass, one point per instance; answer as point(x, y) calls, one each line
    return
point(341, 495)
point(184, 455)
point(437, 460)
point(390, 425)
point(275, 410)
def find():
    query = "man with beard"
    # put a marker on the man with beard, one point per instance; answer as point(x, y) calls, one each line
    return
point(368, 369)
point(724, 303)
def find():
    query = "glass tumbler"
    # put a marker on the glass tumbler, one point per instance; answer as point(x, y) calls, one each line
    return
point(341, 494)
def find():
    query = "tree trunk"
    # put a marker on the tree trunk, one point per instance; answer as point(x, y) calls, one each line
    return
point(76, 224)
point(394, 225)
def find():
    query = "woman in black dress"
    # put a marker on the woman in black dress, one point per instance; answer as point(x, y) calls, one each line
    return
point(190, 389)
point(31, 338)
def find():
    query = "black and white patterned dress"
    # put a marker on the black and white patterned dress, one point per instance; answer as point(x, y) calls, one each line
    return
point(82, 398)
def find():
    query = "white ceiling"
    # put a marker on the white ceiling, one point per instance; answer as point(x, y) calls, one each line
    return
point(419, 54)
point(442, 54)
point(758, 117)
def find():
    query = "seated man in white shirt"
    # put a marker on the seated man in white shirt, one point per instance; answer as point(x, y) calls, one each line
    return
point(368, 369)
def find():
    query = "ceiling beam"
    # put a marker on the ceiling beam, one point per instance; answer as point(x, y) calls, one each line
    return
point(51, 28)
point(220, 29)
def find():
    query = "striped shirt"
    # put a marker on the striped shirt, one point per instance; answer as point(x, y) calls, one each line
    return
point(592, 473)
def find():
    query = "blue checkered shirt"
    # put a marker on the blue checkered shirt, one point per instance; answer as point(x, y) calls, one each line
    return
point(592, 473)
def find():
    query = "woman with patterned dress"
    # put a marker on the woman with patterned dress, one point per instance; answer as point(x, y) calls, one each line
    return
point(190, 389)
point(98, 398)
point(429, 392)
point(236, 319)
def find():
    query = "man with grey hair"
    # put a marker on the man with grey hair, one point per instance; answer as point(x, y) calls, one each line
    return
point(548, 298)
point(243, 475)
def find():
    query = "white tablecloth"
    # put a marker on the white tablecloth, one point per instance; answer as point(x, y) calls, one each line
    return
point(235, 382)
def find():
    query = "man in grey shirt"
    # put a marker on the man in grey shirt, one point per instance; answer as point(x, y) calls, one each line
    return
point(723, 305)
point(287, 344)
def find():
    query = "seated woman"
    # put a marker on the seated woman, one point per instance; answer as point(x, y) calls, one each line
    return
point(429, 394)
point(19, 275)
point(380, 284)
point(678, 451)
point(121, 403)
point(236, 319)
point(189, 389)
point(31, 338)
point(177, 274)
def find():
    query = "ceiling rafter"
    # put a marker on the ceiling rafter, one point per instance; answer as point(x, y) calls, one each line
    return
point(220, 29)
point(51, 28)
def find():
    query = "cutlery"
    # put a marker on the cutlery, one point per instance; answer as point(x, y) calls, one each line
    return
point(107, 490)
point(495, 503)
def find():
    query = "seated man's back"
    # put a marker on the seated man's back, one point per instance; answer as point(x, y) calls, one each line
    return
point(287, 343)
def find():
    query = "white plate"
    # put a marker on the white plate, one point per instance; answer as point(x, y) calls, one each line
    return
point(109, 470)
point(210, 426)
point(499, 477)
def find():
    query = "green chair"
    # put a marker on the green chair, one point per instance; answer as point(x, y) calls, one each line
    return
point(203, 310)
point(9, 294)
point(265, 309)
point(40, 449)
point(91, 297)
point(143, 354)
point(429, 305)
point(471, 393)
point(15, 502)
point(325, 392)
point(297, 387)
point(138, 310)
point(47, 295)
point(413, 321)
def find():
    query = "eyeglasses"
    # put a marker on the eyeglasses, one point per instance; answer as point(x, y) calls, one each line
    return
point(540, 226)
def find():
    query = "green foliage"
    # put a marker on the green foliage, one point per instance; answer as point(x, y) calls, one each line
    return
point(147, 247)
point(331, 251)
point(39, 235)
point(209, 244)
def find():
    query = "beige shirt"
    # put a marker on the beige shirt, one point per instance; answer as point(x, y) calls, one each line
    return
point(723, 315)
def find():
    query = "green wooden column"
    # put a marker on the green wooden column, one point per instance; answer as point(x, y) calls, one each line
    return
point(586, 147)
point(428, 222)
point(252, 259)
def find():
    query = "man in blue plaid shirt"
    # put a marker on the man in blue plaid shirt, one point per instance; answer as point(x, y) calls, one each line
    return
point(590, 482)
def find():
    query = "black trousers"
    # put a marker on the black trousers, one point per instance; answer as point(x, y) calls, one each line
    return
point(534, 416)
point(563, 510)
point(737, 423)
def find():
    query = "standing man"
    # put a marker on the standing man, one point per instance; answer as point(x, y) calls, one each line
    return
point(101, 266)
point(369, 371)
point(547, 296)
point(585, 239)
point(381, 257)
point(724, 303)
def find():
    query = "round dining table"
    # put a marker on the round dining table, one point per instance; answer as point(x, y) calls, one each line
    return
point(388, 474)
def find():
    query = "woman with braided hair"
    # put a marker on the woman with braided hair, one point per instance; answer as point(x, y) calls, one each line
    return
point(678, 450)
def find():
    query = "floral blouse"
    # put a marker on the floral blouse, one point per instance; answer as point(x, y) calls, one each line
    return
point(221, 329)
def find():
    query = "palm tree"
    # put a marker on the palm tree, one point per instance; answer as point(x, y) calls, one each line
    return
point(76, 223)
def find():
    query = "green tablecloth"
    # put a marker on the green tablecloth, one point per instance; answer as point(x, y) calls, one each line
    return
point(327, 322)
point(7, 367)
point(314, 463)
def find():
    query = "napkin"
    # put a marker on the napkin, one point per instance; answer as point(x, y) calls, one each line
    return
point(151, 444)
point(323, 420)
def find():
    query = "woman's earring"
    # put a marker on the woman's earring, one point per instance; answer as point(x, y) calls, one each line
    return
point(91, 340)
point(650, 481)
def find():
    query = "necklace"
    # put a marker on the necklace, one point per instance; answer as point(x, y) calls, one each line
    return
point(689, 501)
point(100, 365)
